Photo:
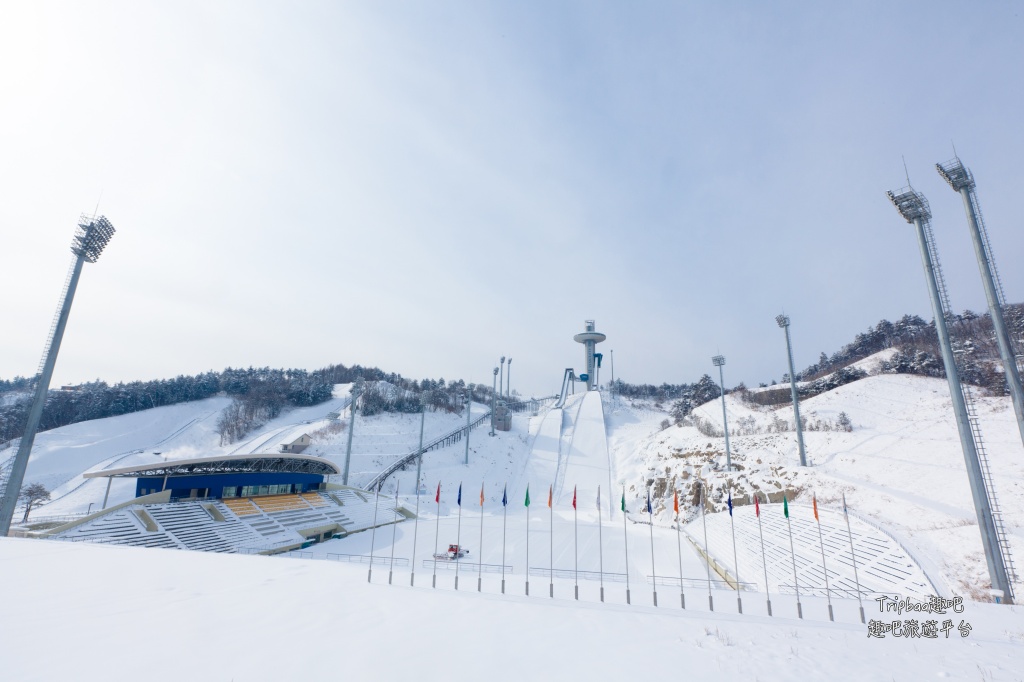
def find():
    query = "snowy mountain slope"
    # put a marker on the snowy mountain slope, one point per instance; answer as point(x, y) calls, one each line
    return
point(901, 465)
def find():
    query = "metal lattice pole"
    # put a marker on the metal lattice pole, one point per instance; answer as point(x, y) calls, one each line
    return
point(783, 321)
point(91, 237)
point(718, 361)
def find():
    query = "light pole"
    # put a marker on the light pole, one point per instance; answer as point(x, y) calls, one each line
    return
point(357, 388)
point(90, 239)
point(783, 321)
point(493, 398)
point(469, 404)
point(501, 378)
point(508, 381)
point(718, 361)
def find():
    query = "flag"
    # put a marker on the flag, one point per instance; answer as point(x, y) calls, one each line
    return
point(649, 503)
point(845, 515)
point(598, 498)
point(814, 498)
point(574, 497)
point(504, 496)
point(481, 494)
point(623, 498)
point(437, 497)
point(785, 506)
point(730, 502)
point(527, 503)
point(459, 500)
point(550, 489)
point(675, 501)
point(757, 507)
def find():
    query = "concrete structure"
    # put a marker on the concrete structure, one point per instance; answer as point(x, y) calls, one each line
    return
point(502, 416)
point(589, 338)
point(297, 445)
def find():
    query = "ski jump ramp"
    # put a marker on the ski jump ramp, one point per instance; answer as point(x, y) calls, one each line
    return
point(571, 451)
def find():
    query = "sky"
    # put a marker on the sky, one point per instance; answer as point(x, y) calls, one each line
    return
point(426, 187)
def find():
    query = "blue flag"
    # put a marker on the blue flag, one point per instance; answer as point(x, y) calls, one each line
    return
point(730, 503)
point(504, 496)
point(460, 494)
point(649, 502)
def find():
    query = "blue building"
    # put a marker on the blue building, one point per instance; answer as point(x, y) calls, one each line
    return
point(227, 476)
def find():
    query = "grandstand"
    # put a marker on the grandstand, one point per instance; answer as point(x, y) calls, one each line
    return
point(256, 504)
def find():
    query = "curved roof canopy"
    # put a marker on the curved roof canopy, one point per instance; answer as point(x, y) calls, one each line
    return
point(231, 464)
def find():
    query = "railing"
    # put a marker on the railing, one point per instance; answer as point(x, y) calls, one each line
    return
point(698, 583)
point(366, 559)
point(570, 573)
point(439, 442)
point(468, 567)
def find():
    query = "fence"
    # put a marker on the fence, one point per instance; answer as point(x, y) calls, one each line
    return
point(570, 573)
point(366, 559)
point(447, 565)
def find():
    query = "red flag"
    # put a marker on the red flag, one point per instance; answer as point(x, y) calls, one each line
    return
point(757, 506)
point(574, 497)
point(549, 497)
point(437, 498)
point(815, 499)
point(481, 494)
point(675, 501)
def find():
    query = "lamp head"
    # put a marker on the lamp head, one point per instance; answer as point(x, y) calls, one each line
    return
point(783, 320)
point(718, 360)
point(91, 237)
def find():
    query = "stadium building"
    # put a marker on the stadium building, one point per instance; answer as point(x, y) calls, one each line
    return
point(256, 504)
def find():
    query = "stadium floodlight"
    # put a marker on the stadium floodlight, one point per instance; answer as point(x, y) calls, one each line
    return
point(962, 182)
point(783, 322)
point(912, 205)
point(91, 237)
point(493, 397)
point(718, 361)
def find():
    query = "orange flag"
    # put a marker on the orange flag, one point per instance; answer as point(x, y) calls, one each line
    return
point(549, 496)
point(675, 501)
point(814, 498)
point(481, 494)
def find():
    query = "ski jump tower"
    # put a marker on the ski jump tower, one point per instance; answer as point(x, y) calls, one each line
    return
point(589, 338)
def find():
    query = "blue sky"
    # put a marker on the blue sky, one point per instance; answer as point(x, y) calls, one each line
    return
point(428, 186)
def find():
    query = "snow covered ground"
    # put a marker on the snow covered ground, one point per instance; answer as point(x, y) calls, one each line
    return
point(900, 467)
point(165, 613)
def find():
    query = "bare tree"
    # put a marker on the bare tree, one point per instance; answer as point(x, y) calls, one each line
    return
point(30, 494)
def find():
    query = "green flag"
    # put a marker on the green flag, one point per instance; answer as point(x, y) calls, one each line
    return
point(623, 504)
point(785, 506)
point(527, 496)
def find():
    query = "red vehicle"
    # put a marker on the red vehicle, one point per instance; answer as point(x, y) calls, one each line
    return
point(454, 552)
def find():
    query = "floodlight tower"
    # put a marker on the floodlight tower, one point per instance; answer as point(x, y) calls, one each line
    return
point(501, 378)
point(494, 395)
point(91, 237)
point(508, 381)
point(915, 210)
point(718, 361)
point(962, 181)
point(783, 321)
point(589, 338)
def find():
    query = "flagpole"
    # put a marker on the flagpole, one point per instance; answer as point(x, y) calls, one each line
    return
point(707, 552)
point(551, 543)
point(824, 568)
point(458, 538)
point(575, 544)
point(654, 575)
point(504, 526)
point(679, 546)
point(735, 559)
point(373, 533)
point(415, 530)
point(600, 544)
point(416, 523)
point(764, 562)
point(792, 554)
point(625, 540)
point(480, 561)
point(394, 529)
point(527, 539)
point(437, 499)
point(853, 557)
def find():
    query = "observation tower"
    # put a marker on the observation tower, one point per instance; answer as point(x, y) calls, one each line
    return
point(589, 339)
